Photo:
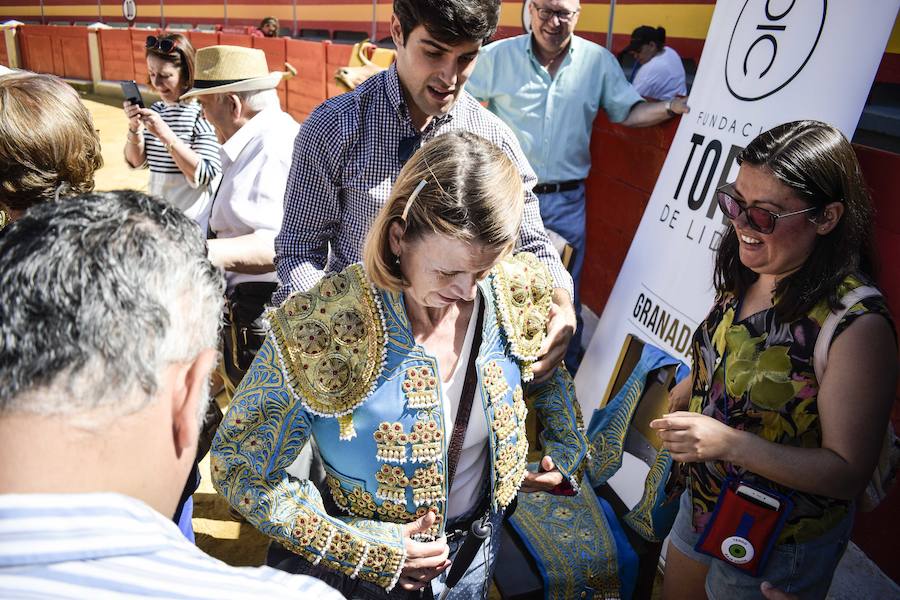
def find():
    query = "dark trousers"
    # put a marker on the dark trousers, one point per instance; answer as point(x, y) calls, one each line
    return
point(244, 331)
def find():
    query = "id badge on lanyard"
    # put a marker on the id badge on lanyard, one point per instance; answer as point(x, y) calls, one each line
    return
point(747, 520)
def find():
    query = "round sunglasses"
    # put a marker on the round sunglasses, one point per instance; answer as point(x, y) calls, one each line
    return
point(760, 219)
point(164, 45)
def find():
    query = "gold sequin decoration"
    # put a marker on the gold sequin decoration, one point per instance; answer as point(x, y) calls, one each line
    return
point(426, 440)
point(337, 492)
point(519, 404)
point(298, 305)
point(390, 442)
point(332, 374)
point(392, 482)
point(523, 288)
point(428, 485)
point(312, 337)
point(504, 422)
point(420, 388)
point(494, 381)
point(394, 512)
point(333, 287)
point(348, 327)
point(331, 343)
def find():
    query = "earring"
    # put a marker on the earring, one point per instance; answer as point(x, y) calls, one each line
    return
point(397, 260)
point(5, 217)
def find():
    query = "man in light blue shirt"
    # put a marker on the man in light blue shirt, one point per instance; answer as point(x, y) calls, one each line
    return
point(548, 86)
point(109, 321)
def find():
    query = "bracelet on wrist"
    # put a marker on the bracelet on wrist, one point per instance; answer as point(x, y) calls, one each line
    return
point(171, 145)
point(669, 110)
point(133, 131)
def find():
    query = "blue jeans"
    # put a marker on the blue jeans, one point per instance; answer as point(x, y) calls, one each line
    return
point(564, 213)
point(804, 569)
point(477, 579)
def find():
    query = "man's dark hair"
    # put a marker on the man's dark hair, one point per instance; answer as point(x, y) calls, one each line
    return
point(449, 21)
point(98, 294)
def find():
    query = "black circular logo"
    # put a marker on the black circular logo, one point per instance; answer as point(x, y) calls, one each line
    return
point(771, 42)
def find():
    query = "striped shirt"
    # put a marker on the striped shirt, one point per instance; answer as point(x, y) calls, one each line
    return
point(186, 121)
point(111, 546)
point(345, 162)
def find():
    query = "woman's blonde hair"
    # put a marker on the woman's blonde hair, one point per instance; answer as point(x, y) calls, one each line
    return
point(48, 144)
point(471, 192)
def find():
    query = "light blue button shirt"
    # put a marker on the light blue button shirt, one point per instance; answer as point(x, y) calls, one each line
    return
point(552, 117)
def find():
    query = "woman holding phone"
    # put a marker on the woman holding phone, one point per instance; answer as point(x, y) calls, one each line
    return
point(171, 137)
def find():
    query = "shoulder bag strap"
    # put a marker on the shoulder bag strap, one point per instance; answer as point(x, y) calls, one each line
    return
point(829, 326)
point(465, 401)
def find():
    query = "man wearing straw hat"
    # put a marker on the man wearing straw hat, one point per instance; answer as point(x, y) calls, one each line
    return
point(237, 92)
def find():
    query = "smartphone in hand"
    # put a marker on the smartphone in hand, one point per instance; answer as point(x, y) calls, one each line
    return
point(132, 93)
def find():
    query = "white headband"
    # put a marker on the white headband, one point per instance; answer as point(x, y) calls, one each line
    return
point(413, 197)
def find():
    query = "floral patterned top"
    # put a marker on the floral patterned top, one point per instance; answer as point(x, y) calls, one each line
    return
point(772, 391)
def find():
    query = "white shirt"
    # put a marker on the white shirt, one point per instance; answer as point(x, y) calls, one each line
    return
point(256, 161)
point(76, 546)
point(466, 485)
point(662, 77)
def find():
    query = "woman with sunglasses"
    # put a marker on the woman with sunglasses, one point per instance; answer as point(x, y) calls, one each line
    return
point(172, 138)
point(755, 410)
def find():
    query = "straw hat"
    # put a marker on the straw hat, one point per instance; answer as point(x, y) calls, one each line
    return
point(223, 69)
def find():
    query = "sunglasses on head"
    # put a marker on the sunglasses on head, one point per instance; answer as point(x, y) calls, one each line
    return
point(760, 219)
point(164, 45)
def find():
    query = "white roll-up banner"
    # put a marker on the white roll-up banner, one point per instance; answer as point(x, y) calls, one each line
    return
point(765, 62)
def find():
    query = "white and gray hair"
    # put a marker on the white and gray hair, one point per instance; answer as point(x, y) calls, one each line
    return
point(259, 100)
point(98, 295)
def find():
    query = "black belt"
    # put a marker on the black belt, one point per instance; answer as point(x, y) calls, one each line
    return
point(560, 186)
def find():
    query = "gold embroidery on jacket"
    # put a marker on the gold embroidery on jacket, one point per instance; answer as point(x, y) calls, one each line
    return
point(390, 442)
point(523, 288)
point(392, 482)
point(420, 388)
point(330, 342)
point(427, 441)
point(428, 485)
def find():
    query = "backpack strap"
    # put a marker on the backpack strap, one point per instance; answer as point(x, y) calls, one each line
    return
point(829, 326)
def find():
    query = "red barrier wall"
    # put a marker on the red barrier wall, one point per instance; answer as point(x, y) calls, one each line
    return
point(337, 55)
point(202, 39)
point(53, 49)
point(116, 54)
point(309, 88)
point(235, 39)
point(139, 53)
point(276, 56)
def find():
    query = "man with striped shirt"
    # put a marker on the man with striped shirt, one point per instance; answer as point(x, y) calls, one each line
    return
point(109, 316)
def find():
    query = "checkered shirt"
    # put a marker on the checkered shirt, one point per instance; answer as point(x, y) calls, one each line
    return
point(345, 162)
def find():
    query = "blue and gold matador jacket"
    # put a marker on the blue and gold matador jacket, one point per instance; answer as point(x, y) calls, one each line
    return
point(340, 363)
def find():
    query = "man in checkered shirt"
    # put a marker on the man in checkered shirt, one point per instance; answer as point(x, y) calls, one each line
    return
point(351, 148)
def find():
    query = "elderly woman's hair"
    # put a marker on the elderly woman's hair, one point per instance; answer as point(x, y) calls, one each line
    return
point(183, 57)
point(48, 145)
point(472, 193)
point(818, 163)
